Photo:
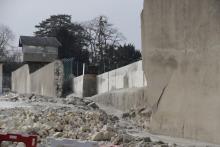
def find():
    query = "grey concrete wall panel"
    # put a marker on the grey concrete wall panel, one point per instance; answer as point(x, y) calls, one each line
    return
point(123, 99)
point(48, 80)
point(181, 49)
point(85, 85)
point(78, 86)
point(21, 80)
point(130, 76)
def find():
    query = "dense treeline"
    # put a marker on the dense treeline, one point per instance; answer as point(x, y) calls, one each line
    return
point(95, 42)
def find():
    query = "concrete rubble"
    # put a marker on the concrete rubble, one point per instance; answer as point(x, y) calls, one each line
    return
point(71, 118)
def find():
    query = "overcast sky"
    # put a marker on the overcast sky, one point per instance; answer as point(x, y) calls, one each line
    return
point(22, 15)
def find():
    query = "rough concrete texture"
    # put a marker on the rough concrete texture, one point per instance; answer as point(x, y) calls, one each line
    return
point(85, 85)
point(48, 80)
point(124, 99)
point(20, 80)
point(130, 76)
point(181, 40)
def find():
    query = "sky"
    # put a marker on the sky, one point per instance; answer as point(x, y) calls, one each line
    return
point(22, 15)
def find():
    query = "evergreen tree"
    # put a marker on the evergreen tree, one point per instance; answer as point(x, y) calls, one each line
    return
point(72, 36)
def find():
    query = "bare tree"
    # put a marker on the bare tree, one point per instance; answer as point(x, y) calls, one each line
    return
point(102, 35)
point(6, 38)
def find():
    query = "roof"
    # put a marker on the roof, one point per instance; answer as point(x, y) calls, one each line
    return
point(39, 41)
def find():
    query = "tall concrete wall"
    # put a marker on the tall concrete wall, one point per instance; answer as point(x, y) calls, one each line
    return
point(130, 76)
point(48, 80)
point(21, 80)
point(181, 49)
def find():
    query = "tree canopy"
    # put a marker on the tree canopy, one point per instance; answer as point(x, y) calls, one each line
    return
point(96, 42)
point(72, 36)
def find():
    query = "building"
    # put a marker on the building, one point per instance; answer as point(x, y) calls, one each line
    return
point(38, 51)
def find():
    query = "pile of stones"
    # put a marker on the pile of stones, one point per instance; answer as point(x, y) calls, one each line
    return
point(58, 122)
point(73, 118)
point(139, 116)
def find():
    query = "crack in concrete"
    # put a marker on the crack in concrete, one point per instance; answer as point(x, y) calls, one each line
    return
point(158, 102)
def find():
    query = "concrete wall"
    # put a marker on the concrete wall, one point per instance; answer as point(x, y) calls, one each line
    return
point(21, 80)
point(85, 85)
point(123, 99)
point(48, 80)
point(181, 49)
point(129, 76)
point(78, 86)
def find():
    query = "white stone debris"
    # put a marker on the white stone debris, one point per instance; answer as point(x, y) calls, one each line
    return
point(70, 118)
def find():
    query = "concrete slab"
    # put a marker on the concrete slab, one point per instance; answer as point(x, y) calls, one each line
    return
point(181, 49)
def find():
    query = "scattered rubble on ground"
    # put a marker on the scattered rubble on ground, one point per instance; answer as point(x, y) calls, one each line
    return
point(73, 118)
point(139, 116)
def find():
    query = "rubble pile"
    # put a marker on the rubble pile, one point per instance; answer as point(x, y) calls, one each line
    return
point(139, 116)
point(72, 117)
point(59, 122)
